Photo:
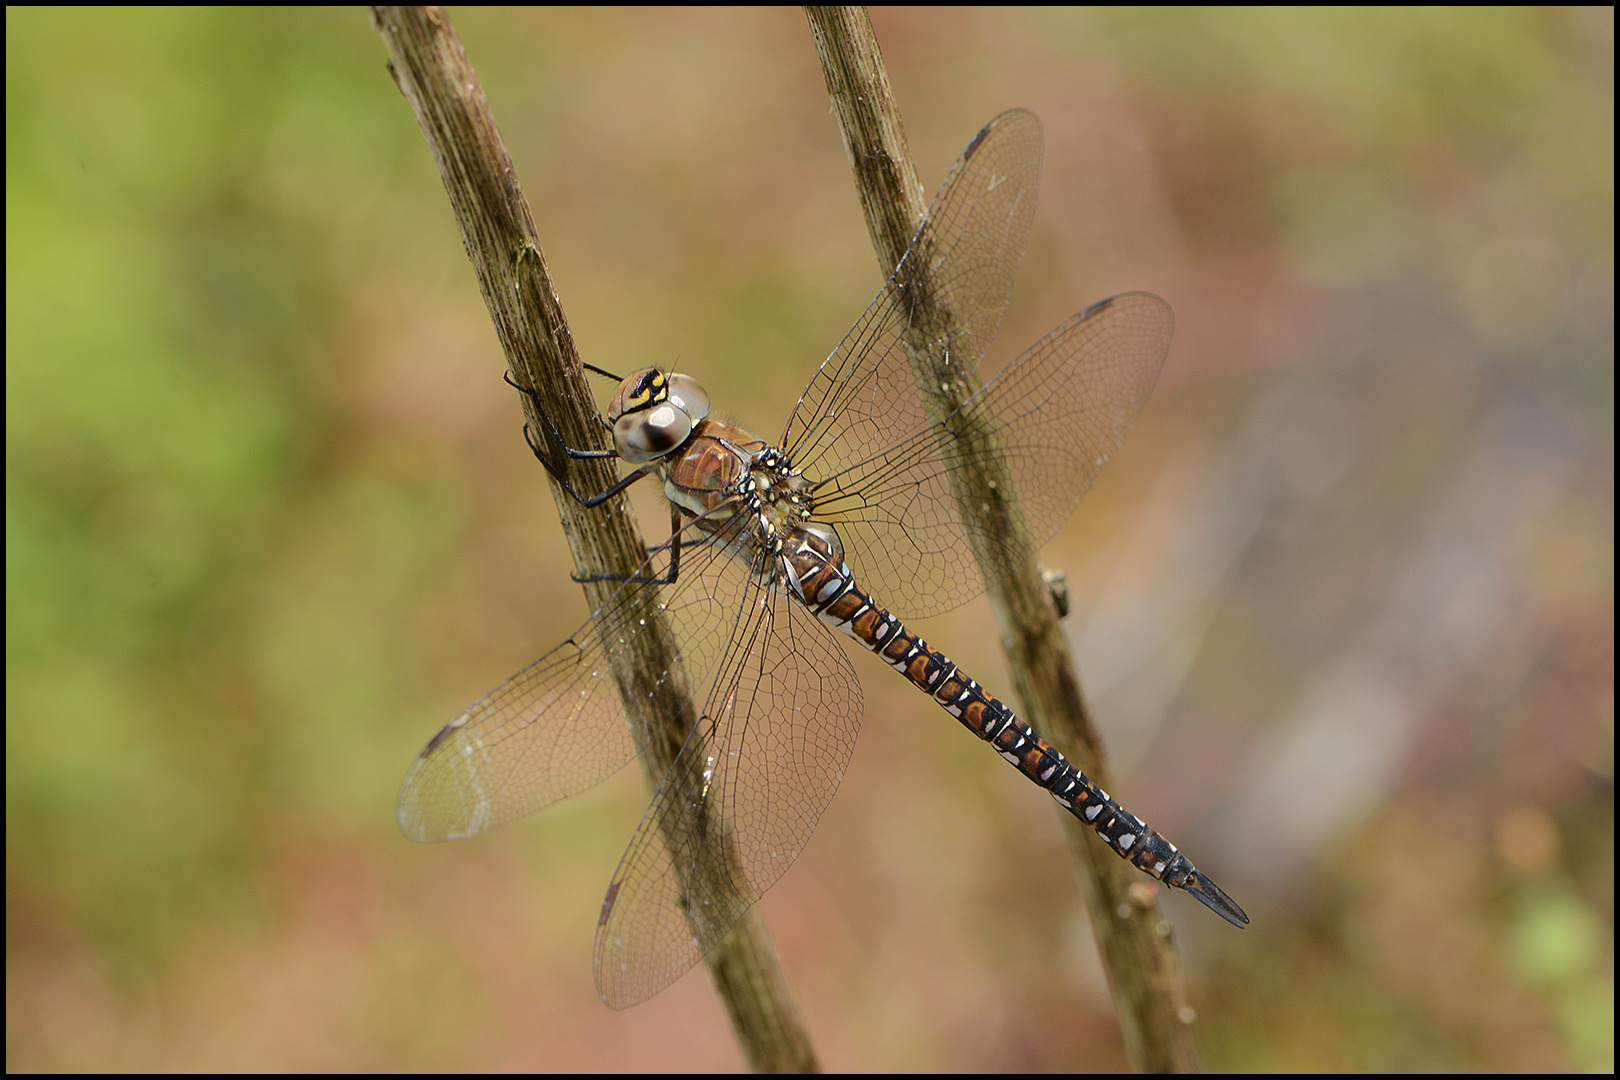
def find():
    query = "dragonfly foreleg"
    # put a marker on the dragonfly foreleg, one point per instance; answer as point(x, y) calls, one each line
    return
point(587, 501)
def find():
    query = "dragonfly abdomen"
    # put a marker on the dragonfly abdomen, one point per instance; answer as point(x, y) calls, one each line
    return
point(822, 580)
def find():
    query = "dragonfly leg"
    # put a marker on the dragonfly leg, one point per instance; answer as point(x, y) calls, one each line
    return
point(673, 545)
point(587, 501)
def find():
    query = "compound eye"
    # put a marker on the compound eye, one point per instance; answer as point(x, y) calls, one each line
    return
point(687, 395)
point(650, 433)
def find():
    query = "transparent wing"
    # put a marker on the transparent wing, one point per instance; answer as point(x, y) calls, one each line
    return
point(778, 726)
point(742, 798)
point(558, 726)
point(973, 238)
point(865, 433)
point(781, 703)
point(1058, 413)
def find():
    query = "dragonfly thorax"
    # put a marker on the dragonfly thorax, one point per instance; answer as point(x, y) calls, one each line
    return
point(653, 413)
point(725, 476)
point(780, 499)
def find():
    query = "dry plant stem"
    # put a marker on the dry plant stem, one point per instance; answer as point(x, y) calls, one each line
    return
point(1136, 945)
point(433, 73)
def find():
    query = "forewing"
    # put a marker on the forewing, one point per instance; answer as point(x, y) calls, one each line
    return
point(972, 242)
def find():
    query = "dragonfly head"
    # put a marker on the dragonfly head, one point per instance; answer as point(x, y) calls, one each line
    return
point(653, 413)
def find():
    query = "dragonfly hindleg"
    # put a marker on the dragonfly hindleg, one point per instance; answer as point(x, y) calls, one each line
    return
point(677, 541)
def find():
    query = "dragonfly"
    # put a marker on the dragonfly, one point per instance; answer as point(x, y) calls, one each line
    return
point(776, 545)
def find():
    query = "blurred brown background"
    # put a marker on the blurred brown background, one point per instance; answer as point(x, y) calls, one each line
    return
point(1343, 601)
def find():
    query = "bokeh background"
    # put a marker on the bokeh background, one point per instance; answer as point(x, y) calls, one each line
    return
point(1343, 602)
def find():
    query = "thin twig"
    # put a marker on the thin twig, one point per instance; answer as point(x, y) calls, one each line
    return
point(1136, 945)
point(433, 73)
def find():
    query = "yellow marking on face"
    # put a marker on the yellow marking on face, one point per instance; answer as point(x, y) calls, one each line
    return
point(652, 390)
